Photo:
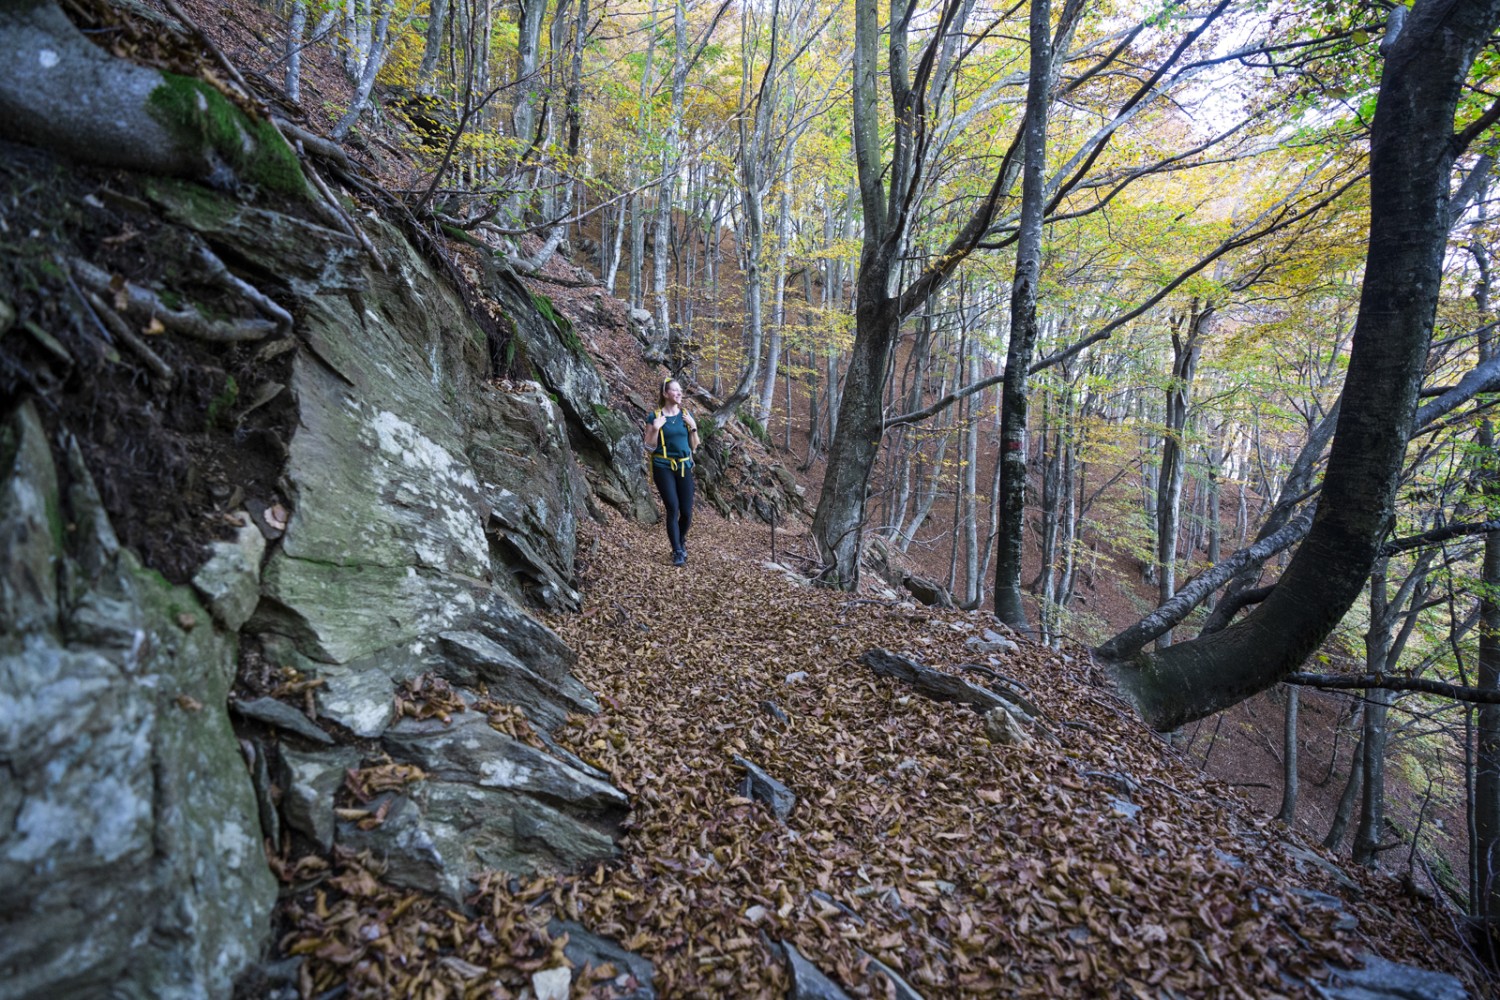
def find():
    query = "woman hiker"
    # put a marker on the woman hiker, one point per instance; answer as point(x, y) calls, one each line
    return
point(670, 440)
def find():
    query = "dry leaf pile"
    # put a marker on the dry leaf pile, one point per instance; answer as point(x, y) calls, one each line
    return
point(1095, 864)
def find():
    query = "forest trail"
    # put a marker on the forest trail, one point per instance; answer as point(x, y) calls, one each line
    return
point(1050, 869)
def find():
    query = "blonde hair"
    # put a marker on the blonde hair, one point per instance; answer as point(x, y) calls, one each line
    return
point(661, 397)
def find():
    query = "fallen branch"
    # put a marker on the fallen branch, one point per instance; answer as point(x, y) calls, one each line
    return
point(187, 322)
point(939, 686)
point(128, 337)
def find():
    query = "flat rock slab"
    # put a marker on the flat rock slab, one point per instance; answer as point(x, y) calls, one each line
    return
point(1381, 979)
point(281, 716)
point(808, 981)
point(761, 787)
point(585, 947)
point(469, 749)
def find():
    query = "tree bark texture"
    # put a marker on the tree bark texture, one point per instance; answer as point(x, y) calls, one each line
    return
point(1411, 159)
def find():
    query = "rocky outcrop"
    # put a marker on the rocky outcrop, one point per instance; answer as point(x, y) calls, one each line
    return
point(608, 444)
point(130, 848)
point(421, 507)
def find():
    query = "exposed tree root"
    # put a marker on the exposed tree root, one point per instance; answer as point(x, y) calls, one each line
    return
point(125, 335)
point(188, 322)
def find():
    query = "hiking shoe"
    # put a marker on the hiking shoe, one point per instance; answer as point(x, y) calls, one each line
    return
point(679, 558)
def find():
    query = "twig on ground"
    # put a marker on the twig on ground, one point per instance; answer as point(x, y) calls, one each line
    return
point(219, 272)
point(128, 337)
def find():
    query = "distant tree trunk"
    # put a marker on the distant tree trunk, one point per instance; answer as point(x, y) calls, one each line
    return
point(1372, 802)
point(635, 291)
point(1344, 812)
point(973, 584)
point(295, 29)
point(1290, 786)
point(671, 158)
point(433, 49)
point(1188, 332)
point(370, 57)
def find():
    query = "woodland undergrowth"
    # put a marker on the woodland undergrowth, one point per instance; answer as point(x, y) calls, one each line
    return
point(1098, 864)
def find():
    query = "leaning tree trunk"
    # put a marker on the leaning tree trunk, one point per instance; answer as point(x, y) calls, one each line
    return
point(60, 91)
point(1411, 158)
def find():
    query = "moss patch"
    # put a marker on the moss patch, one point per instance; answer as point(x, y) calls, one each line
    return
point(560, 322)
point(197, 113)
point(219, 406)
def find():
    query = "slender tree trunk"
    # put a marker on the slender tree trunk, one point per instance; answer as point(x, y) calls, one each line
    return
point(1344, 812)
point(1372, 803)
point(296, 27)
point(1290, 784)
point(433, 48)
point(1023, 327)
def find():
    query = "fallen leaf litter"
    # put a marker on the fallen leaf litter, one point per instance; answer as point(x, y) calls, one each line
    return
point(1099, 864)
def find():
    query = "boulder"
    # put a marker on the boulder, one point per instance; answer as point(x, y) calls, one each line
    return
point(469, 749)
point(927, 591)
point(475, 660)
point(440, 835)
point(230, 580)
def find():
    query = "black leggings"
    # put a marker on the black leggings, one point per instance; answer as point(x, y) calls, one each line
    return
point(677, 496)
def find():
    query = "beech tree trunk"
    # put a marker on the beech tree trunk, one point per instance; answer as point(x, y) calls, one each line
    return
point(1023, 328)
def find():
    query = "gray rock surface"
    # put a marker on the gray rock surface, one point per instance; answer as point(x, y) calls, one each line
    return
point(230, 580)
point(441, 835)
point(900, 988)
point(129, 838)
point(761, 787)
point(808, 981)
point(468, 749)
point(585, 947)
point(475, 660)
point(1381, 979)
point(309, 782)
point(608, 444)
point(282, 716)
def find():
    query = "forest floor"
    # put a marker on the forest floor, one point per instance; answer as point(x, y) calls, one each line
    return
point(1096, 862)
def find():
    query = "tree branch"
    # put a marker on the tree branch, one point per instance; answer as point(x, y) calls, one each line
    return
point(1457, 692)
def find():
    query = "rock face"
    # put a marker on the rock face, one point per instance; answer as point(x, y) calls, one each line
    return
point(608, 444)
point(129, 847)
point(424, 508)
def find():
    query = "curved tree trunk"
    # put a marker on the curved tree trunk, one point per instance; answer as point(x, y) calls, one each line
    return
point(1411, 158)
